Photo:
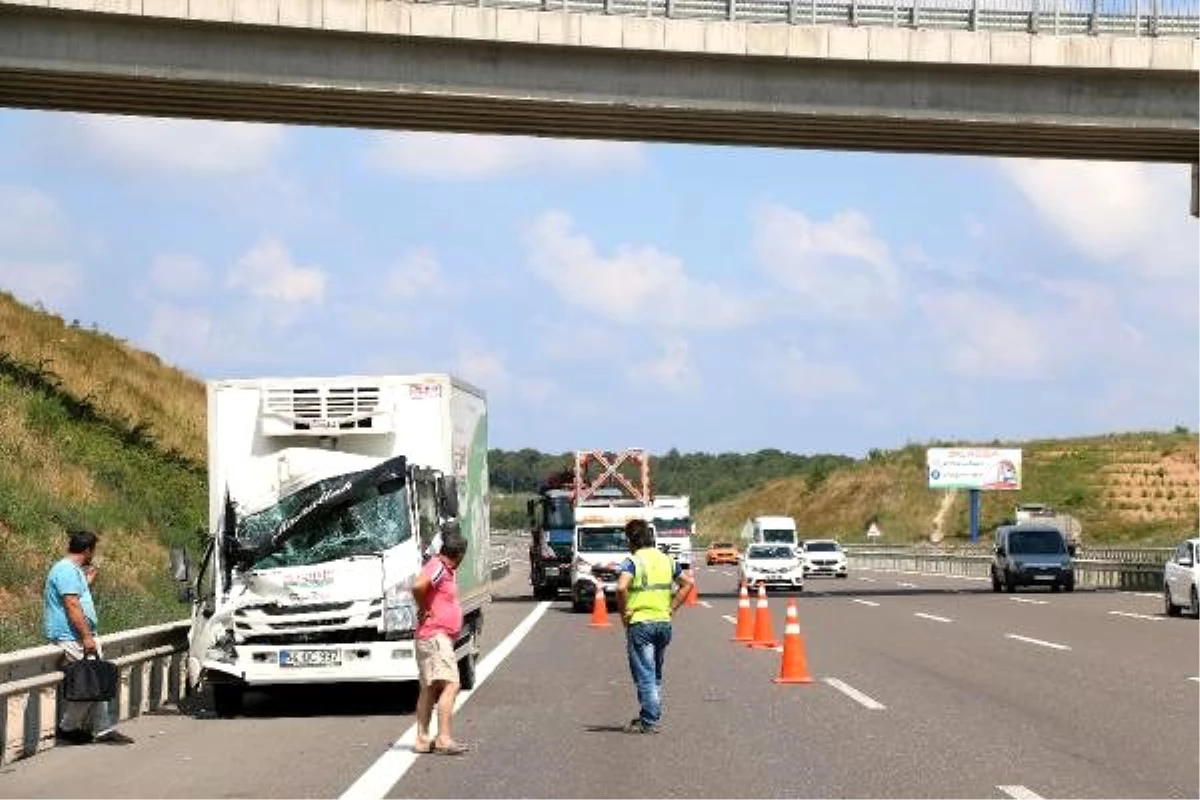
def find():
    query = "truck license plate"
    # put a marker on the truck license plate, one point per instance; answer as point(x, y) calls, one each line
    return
point(310, 658)
point(551, 570)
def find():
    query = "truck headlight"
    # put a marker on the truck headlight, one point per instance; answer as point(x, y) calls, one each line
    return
point(399, 610)
point(582, 567)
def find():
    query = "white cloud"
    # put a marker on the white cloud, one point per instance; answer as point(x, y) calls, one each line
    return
point(460, 156)
point(838, 269)
point(186, 146)
point(36, 262)
point(187, 335)
point(984, 337)
point(418, 273)
point(672, 369)
point(635, 284)
point(178, 274)
point(266, 271)
point(1134, 216)
point(489, 370)
point(792, 370)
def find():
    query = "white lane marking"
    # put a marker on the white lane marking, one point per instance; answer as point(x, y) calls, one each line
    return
point(864, 602)
point(386, 772)
point(1155, 595)
point(1029, 600)
point(864, 578)
point(906, 585)
point(1135, 616)
point(1037, 641)
point(1020, 793)
point(933, 617)
point(855, 694)
point(1197, 679)
point(729, 619)
point(706, 604)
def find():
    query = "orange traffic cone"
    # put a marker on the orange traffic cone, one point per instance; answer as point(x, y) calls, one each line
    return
point(745, 618)
point(693, 598)
point(764, 637)
point(794, 666)
point(599, 610)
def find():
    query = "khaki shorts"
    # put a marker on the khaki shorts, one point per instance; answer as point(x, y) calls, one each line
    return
point(435, 660)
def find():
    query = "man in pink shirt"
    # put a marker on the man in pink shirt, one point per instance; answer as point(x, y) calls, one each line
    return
point(439, 622)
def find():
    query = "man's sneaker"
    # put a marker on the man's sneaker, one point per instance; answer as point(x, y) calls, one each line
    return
point(77, 736)
point(638, 726)
point(112, 737)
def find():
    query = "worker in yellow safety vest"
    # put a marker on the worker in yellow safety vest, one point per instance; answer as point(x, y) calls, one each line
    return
point(649, 590)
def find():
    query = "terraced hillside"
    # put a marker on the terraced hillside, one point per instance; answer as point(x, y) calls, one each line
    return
point(1142, 487)
point(92, 432)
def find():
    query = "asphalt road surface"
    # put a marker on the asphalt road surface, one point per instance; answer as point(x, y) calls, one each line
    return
point(924, 686)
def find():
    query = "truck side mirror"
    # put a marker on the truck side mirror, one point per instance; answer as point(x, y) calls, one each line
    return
point(999, 549)
point(1071, 549)
point(181, 572)
point(448, 497)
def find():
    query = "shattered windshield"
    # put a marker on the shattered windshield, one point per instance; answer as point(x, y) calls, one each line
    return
point(360, 513)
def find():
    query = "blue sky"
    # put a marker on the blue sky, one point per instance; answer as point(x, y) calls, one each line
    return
point(623, 294)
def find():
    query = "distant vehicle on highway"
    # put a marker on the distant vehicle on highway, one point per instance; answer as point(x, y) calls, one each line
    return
point(1032, 555)
point(721, 553)
point(777, 530)
point(779, 566)
point(824, 557)
point(1180, 577)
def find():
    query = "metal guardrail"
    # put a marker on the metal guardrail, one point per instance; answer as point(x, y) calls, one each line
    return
point(1139, 555)
point(153, 667)
point(1046, 17)
point(1089, 573)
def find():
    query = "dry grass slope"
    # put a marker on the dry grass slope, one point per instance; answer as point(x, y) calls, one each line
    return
point(1136, 487)
point(123, 383)
point(97, 434)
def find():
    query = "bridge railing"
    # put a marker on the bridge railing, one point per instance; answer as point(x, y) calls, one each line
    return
point(1046, 17)
point(153, 673)
point(1090, 573)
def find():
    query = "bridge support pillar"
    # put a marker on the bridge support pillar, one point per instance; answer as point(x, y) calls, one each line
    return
point(1196, 190)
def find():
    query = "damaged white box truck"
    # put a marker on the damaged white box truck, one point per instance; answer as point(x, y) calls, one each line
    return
point(326, 496)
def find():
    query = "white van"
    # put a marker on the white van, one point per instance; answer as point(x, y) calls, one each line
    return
point(771, 530)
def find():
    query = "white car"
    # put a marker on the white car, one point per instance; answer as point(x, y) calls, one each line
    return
point(773, 566)
point(1180, 577)
point(824, 557)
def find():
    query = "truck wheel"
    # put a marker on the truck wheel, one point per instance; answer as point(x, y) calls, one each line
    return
point(227, 699)
point(578, 606)
point(1171, 609)
point(466, 666)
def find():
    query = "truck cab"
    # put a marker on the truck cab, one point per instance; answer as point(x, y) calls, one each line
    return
point(771, 530)
point(600, 547)
point(551, 542)
point(674, 528)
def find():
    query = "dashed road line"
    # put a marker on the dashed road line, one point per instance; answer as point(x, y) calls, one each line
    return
point(871, 603)
point(1037, 642)
point(866, 579)
point(1196, 679)
point(855, 694)
point(906, 585)
point(386, 772)
point(729, 619)
point(706, 604)
point(1135, 616)
point(1155, 595)
point(1030, 600)
point(933, 617)
point(728, 573)
point(1020, 793)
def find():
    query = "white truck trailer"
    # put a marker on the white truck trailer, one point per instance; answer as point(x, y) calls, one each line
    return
point(326, 496)
point(674, 528)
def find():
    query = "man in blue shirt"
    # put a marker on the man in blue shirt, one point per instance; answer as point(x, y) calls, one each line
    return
point(70, 622)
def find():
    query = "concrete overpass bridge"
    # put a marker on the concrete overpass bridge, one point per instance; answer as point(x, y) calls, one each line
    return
point(1050, 78)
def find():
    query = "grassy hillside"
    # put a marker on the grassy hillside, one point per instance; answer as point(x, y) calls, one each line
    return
point(97, 434)
point(1139, 487)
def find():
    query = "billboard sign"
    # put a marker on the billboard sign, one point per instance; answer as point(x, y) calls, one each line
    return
point(988, 468)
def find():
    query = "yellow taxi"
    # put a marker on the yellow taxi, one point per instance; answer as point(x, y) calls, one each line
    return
point(721, 553)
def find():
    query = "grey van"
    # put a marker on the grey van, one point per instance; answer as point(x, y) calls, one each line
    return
point(1032, 555)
